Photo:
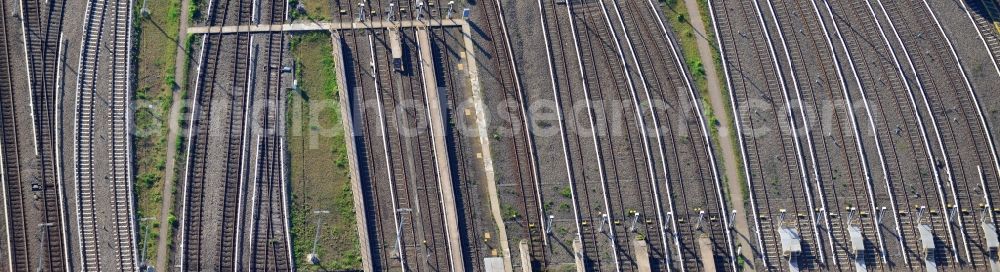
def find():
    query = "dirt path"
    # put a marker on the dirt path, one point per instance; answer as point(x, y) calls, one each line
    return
point(162, 252)
point(726, 137)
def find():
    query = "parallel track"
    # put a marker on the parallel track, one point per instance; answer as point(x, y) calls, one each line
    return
point(371, 154)
point(956, 117)
point(769, 178)
point(90, 83)
point(415, 208)
point(15, 222)
point(836, 153)
point(696, 188)
point(470, 193)
point(561, 52)
point(612, 89)
point(528, 203)
point(903, 160)
point(408, 99)
point(224, 67)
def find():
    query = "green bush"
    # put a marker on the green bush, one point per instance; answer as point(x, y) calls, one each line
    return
point(566, 192)
point(147, 180)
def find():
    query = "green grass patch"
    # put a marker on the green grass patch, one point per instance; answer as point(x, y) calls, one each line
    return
point(677, 16)
point(315, 10)
point(194, 10)
point(320, 177)
point(156, 43)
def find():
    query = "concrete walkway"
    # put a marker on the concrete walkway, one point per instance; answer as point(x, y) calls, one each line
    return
point(726, 138)
point(482, 129)
point(162, 252)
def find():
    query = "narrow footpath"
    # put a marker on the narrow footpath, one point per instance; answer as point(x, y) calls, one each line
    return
point(726, 138)
point(162, 252)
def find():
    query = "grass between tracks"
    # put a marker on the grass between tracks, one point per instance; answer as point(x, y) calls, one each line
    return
point(315, 10)
point(677, 14)
point(157, 35)
point(320, 178)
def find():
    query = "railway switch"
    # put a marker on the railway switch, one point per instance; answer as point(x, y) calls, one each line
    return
point(548, 225)
point(451, 9)
point(361, 12)
point(390, 12)
point(635, 219)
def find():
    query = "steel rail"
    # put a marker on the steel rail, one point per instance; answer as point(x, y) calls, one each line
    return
point(597, 149)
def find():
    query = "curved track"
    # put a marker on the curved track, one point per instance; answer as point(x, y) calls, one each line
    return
point(779, 191)
point(969, 155)
point(694, 192)
point(901, 142)
point(92, 82)
point(836, 152)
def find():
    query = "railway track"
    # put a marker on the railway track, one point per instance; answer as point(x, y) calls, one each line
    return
point(527, 203)
point(835, 155)
point(985, 15)
point(697, 188)
point(767, 170)
point(224, 67)
point(947, 96)
point(627, 202)
point(42, 29)
point(90, 83)
point(895, 116)
point(15, 219)
point(474, 244)
point(561, 52)
point(270, 237)
point(372, 158)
